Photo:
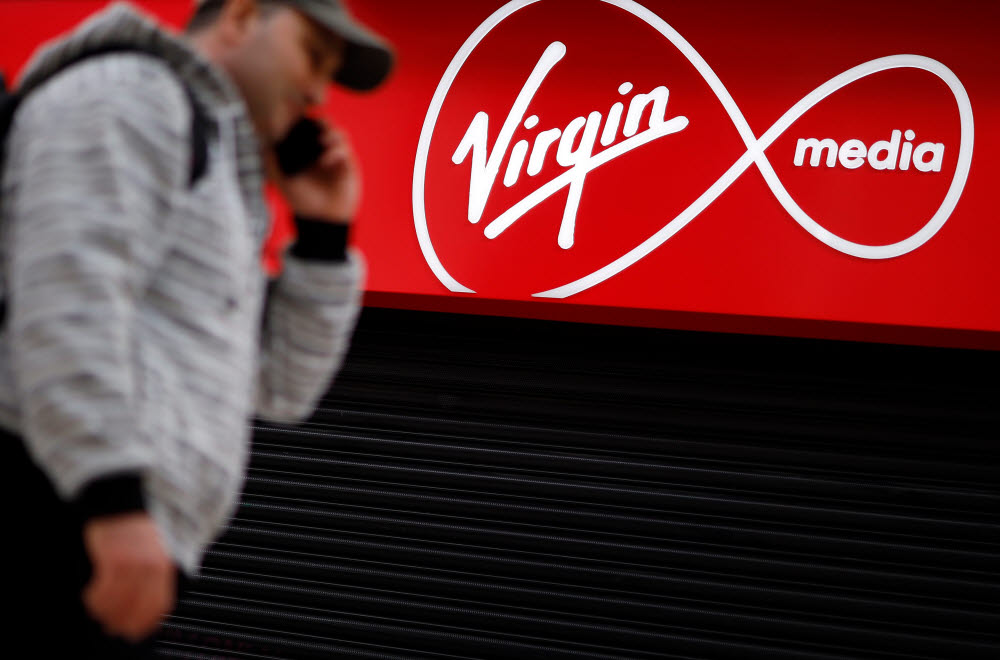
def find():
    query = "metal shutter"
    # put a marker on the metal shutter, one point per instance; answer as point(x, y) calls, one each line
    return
point(479, 487)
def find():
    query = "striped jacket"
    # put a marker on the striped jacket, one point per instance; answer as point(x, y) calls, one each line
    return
point(142, 334)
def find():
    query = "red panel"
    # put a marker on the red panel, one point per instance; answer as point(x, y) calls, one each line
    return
point(747, 262)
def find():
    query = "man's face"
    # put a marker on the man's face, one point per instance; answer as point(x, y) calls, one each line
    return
point(283, 65)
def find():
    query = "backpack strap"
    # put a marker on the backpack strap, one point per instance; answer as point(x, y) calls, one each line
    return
point(8, 105)
point(200, 123)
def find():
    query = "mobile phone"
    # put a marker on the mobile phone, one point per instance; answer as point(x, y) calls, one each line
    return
point(301, 148)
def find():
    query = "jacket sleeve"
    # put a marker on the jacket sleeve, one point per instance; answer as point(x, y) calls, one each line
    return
point(310, 313)
point(95, 158)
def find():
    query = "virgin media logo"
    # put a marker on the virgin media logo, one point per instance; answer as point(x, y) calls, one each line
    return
point(514, 157)
point(580, 160)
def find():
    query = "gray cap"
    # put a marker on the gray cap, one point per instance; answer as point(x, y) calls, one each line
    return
point(368, 57)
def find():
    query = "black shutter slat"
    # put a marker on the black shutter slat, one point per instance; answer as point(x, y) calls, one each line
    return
point(189, 637)
point(530, 621)
point(728, 476)
point(460, 433)
point(391, 630)
point(476, 487)
point(594, 544)
point(446, 552)
point(590, 599)
point(905, 518)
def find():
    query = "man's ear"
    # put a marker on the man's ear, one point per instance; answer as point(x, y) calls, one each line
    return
point(236, 20)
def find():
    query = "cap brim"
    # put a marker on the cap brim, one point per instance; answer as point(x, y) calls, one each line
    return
point(368, 59)
point(365, 66)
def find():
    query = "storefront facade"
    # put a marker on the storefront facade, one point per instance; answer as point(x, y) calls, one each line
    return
point(680, 341)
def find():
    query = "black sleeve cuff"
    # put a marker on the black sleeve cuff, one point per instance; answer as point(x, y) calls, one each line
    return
point(320, 240)
point(117, 493)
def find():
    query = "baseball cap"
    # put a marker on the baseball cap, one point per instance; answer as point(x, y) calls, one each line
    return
point(368, 58)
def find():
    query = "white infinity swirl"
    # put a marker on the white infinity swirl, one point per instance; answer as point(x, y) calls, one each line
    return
point(753, 156)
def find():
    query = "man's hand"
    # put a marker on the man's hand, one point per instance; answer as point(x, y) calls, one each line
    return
point(134, 580)
point(330, 189)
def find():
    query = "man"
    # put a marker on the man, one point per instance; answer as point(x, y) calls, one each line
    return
point(141, 335)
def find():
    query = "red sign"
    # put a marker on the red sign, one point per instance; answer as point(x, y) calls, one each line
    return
point(817, 169)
